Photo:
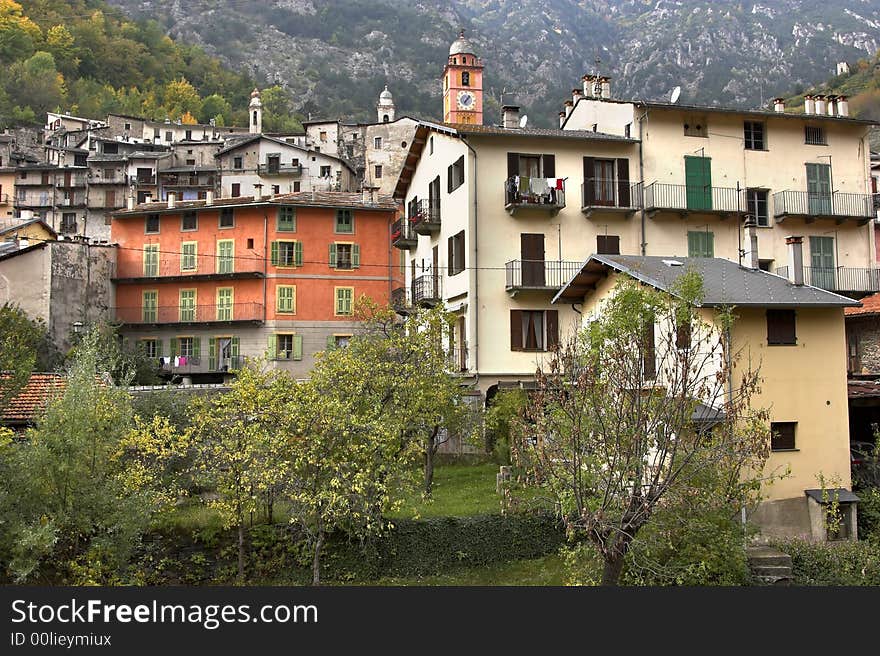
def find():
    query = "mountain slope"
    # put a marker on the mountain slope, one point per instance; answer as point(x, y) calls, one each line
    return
point(335, 55)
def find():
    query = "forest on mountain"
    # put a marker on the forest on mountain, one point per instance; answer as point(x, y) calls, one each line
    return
point(86, 58)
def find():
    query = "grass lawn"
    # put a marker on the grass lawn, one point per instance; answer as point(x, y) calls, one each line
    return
point(548, 570)
point(459, 491)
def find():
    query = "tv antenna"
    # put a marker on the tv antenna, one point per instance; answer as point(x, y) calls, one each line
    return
point(676, 92)
point(523, 120)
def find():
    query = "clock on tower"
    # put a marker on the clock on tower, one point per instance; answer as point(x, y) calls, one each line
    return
point(463, 84)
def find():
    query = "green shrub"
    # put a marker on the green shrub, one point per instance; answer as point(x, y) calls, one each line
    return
point(834, 563)
point(869, 514)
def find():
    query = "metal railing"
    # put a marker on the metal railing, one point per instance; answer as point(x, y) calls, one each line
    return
point(168, 265)
point(539, 194)
point(182, 314)
point(539, 274)
point(457, 358)
point(402, 233)
point(34, 199)
point(144, 181)
point(401, 297)
point(176, 180)
point(426, 289)
point(694, 198)
point(117, 179)
point(838, 204)
point(606, 193)
point(839, 279)
point(293, 170)
point(426, 217)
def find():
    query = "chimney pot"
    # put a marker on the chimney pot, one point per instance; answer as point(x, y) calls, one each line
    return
point(842, 106)
point(209, 197)
point(589, 89)
point(832, 105)
point(561, 118)
point(809, 104)
point(795, 245)
point(510, 116)
point(258, 191)
point(130, 203)
point(172, 198)
point(606, 87)
point(778, 105)
point(820, 104)
point(568, 107)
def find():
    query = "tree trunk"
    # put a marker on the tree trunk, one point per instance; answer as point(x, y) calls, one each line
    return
point(429, 465)
point(270, 508)
point(316, 561)
point(241, 552)
point(613, 569)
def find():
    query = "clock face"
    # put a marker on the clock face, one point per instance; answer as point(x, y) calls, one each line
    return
point(466, 100)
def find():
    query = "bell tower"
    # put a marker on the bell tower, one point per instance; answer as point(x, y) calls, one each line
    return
point(255, 110)
point(463, 84)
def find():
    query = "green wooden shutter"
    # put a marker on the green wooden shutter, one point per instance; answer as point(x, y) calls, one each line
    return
point(235, 345)
point(174, 347)
point(331, 341)
point(272, 347)
point(197, 347)
point(710, 244)
point(698, 182)
point(297, 347)
point(333, 256)
point(298, 253)
point(158, 348)
point(355, 256)
point(212, 353)
point(274, 256)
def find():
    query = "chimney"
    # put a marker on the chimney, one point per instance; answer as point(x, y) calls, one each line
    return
point(509, 117)
point(561, 118)
point(820, 104)
point(129, 204)
point(778, 105)
point(842, 106)
point(606, 87)
point(832, 105)
point(795, 259)
point(589, 90)
point(568, 107)
point(172, 197)
point(750, 228)
point(148, 197)
point(209, 197)
point(258, 191)
point(809, 104)
point(576, 94)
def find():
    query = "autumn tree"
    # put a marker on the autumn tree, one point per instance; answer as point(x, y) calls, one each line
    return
point(25, 347)
point(646, 405)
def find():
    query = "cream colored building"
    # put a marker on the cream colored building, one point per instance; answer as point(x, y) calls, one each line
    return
point(703, 169)
point(784, 330)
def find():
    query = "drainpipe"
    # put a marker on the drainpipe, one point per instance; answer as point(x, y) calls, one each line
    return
point(644, 247)
point(476, 269)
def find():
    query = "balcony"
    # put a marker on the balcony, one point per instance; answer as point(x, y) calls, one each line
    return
point(77, 199)
point(73, 181)
point(839, 279)
point(426, 219)
point(292, 170)
point(176, 315)
point(457, 358)
point(201, 365)
point(144, 181)
point(540, 196)
point(426, 290)
point(173, 181)
point(539, 275)
point(117, 179)
point(402, 235)
point(401, 300)
point(811, 206)
point(687, 199)
point(176, 267)
point(601, 195)
point(34, 199)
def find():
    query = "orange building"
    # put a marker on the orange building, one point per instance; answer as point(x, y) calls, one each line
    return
point(203, 284)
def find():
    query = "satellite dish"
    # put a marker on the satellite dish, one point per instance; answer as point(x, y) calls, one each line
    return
point(523, 120)
point(676, 92)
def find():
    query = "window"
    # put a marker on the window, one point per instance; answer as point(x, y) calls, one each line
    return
point(296, 186)
point(345, 256)
point(286, 347)
point(323, 135)
point(190, 162)
point(286, 219)
point(608, 245)
point(344, 301)
point(187, 305)
point(225, 256)
point(782, 435)
point(150, 306)
point(756, 205)
point(286, 253)
point(285, 299)
point(189, 135)
point(111, 148)
point(128, 126)
point(149, 347)
point(157, 133)
point(765, 265)
point(753, 134)
point(186, 347)
point(431, 146)
point(276, 189)
point(465, 79)
point(189, 222)
point(344, 222)
point(603, 182)
point(853, 353)
point(109, 174)
point(781, 327)
point(227, 217)
point(455, 253)
point(250, 243)
point(151, 260)
point(377, 142)
point(236, 189)
point(814, 135)
point(188, 256)
point(695, 126)
point(236, 163)
point(627, 130)
point(534, 330)
point(224, 303)
point(80, 159)
point(152, 224)
point(68, 223)
point(455, 174)
point(701, 244)
point(378, 171)
point(325, 171)
point(109, 198)
point(341, 341)
point(169, 136)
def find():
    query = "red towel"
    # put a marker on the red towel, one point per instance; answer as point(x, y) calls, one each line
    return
point(559, 184)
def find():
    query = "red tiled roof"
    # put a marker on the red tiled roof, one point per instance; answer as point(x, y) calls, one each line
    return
point(870, 305)
point(36, 395)
point(863, 389)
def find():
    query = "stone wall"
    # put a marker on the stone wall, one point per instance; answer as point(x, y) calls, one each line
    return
point(866, 330)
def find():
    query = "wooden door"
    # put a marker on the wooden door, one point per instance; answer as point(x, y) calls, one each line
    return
point(532, 254)
point(822, 262)
point(698, 182)
point(819, 189)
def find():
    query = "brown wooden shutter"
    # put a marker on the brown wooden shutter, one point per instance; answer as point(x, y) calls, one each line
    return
point(532, 253)
point(516, 338)
point(781, 327)
point(623, 199)
point(549, 166)
point(450, 256)
point(589, 182)
point(512, 164)
point(649, 354)
point(608, 245)
point(552, 329)
point(449, 179)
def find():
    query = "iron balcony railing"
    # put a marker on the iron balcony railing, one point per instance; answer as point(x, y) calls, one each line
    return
point(186, 314)
point(135, 266)
point(598, 193)
point(837, 204)
point(457, 358)
point(34, 198)
point(839, 279)
point(426, 289)
point(539, 274)
point(425, 218)
point(144, 180)
point(402, 234)
point(539, 193)
point(115, 179)
point(173, 180)
point(401, 298)
point(693, 198)
point(293, 170)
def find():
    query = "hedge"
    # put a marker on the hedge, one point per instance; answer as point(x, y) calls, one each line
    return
point(840, 563)
point(411, 548)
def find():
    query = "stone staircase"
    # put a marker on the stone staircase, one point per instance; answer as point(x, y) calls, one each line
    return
point(770, 566)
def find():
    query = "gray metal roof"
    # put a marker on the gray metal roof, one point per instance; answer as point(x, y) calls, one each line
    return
point(497, 131)
point(724, 282)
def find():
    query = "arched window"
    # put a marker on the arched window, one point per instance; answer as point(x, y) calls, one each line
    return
point(465, 79)
point(385, 118)
point(255, 117)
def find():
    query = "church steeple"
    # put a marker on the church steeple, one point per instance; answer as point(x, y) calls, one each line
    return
point(463, 84)
point(385, 107)
point(255, 111)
